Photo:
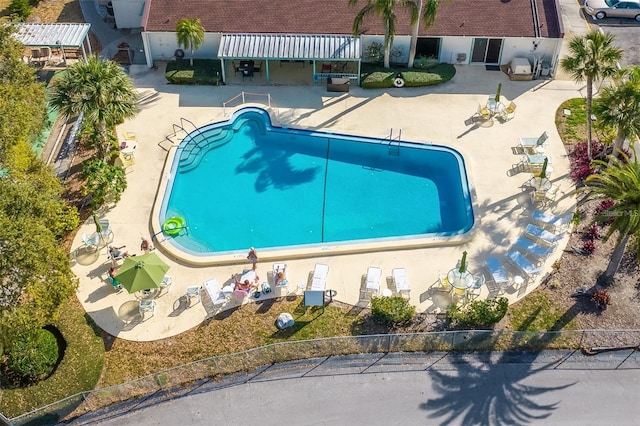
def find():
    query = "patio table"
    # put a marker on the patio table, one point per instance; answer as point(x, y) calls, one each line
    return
point(540, 184)
point(461, 281)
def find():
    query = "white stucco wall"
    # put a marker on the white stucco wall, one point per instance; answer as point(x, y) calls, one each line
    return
point(162, 46)
point(128, 13)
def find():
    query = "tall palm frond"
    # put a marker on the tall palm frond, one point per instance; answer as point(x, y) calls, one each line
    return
point(592, 57)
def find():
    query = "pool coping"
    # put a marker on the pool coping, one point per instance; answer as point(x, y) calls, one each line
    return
point(308, 250)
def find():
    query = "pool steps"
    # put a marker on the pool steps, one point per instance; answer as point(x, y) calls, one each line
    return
point(197, 145)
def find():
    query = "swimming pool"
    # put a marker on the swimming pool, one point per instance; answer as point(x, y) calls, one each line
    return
point(245, 182)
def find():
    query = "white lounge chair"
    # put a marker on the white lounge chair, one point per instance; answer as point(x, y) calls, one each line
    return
point(542, 234)
point(215, 293)
point(498, 274)
point(529, 246)
point(284, 283)
point(558, 222)
point(532, 143)
point(400, 280)
point(374, 275)
point(319, 280)
point(523, 263)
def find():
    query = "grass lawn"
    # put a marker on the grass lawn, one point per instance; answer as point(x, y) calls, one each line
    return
point(79, 370)
point(572, 127)
point(203, 72)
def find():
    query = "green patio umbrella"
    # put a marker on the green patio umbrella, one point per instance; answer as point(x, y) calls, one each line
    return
point(463, 263)
point(543, 172)
point(142, 272)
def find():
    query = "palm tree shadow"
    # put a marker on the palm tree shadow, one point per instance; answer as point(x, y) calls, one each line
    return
point(487, 390)
point(481, 393)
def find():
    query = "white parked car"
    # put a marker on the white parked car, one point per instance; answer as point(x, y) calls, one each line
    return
point(613, 8)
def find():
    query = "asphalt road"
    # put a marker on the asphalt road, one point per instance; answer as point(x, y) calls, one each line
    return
point(548, 388)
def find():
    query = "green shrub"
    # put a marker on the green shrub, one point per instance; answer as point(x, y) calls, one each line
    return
point(479, 312)
point(424, 63)
point(34, 355)
point(379, 80)
point(376, 77)
point(203, 72)
point(20, 9)
point(392, 310)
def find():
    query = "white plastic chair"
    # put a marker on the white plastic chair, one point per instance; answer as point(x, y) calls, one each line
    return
point(443, 280)
point(91, 241)
point(166, 283)
point(474, 291)
point(193, 291)
point(147, 306)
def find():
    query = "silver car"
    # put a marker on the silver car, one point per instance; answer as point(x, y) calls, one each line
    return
point(613, 8)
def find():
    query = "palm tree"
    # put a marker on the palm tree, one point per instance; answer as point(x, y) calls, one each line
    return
point(98, 89)
point(619, 180)
point(593, 57)
point(190, 35)
point(386, 10)
point(618, 106)
point(428, 17)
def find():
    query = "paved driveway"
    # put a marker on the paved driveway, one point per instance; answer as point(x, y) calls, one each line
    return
point(627, 33)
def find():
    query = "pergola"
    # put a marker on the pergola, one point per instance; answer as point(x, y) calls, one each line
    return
point(292, 47)
point(55, 36)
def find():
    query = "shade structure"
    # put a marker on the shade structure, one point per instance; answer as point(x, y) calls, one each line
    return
point(142, 272)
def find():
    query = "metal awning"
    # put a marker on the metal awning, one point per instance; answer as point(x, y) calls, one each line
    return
point(52, 35)
point(289, 47)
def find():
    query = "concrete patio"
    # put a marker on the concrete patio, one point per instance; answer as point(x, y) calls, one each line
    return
point(502, 204)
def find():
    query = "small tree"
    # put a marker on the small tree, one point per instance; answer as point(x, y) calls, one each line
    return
point(190, 35)
point(591, 58)
point(20, 9)
point(104, 181)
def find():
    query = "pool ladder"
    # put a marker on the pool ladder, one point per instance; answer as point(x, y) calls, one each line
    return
point(394, 143)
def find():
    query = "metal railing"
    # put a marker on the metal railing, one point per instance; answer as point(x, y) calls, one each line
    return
point(449, 341)
point(241, 98)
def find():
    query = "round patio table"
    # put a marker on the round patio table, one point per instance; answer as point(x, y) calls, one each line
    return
point(148, 294)
point(461, 281)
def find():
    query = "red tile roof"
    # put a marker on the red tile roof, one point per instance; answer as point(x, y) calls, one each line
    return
point(487, 18)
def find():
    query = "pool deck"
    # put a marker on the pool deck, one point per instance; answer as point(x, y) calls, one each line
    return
point(437, 115)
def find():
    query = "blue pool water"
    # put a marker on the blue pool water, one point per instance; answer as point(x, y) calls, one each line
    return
point(244, 183)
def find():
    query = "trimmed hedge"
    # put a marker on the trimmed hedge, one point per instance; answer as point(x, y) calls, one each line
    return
point(381, 78)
